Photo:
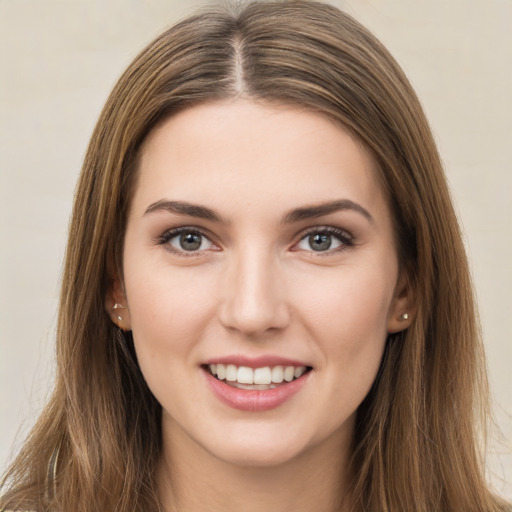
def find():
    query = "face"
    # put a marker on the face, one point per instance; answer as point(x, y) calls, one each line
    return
point(260, 279)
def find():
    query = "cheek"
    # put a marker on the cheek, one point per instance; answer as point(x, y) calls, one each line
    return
point(346, 317)
point(346, 299)
point(167, 305)
point(344, 313)
point(169, 313)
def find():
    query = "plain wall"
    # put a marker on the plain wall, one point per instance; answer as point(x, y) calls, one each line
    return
point(58, 62)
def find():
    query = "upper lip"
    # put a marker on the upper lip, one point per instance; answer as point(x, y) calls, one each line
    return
point(256, 362)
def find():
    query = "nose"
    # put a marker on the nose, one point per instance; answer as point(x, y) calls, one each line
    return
point(254, 297)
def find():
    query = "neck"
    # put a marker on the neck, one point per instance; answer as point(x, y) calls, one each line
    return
point(192, 480)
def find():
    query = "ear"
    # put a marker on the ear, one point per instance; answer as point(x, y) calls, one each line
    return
point(402, 310)
point(117, 305)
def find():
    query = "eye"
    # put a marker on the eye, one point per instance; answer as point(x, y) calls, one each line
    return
point(185, 240)
point(324, 240)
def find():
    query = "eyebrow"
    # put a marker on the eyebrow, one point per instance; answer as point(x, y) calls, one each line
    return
point(184, 208)
point(296, 215)
point(312, 212)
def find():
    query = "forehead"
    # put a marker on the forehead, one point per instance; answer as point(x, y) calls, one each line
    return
point(258, 155)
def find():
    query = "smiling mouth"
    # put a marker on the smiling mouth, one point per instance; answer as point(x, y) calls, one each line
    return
point(266, 377)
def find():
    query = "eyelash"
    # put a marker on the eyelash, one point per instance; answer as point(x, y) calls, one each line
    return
point(346, 239)
point(173, 233)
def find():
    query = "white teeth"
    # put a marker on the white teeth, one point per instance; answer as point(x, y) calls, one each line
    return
point(221, 371)
point(299, 371)
point(231, 372)
point(245, 375)
point(277, 374)
point(289, 373)
point(263, 375)
point(257, 376)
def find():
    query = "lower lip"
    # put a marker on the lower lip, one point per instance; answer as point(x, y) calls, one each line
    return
point(255, 400)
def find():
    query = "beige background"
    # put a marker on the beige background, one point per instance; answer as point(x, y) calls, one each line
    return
point(58, 61)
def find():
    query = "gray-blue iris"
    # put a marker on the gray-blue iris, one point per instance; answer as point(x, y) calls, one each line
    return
point(320, 242)
point(190, 241)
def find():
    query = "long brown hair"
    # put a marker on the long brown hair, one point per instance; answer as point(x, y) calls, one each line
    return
point(417, 442)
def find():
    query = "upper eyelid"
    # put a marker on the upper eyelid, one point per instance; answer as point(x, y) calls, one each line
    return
point(325, 229)
point(172, 232)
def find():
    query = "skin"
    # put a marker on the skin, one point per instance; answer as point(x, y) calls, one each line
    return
point(257, 287)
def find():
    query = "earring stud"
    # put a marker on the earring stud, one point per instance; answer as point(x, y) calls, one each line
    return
point(118, 306)
point(404, 316)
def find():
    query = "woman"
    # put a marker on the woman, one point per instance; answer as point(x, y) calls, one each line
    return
point(266, 302)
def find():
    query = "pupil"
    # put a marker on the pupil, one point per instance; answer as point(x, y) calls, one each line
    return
point(190, 241)
point(319, 242)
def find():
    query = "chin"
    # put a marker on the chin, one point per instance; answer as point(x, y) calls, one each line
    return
point(258, 455)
